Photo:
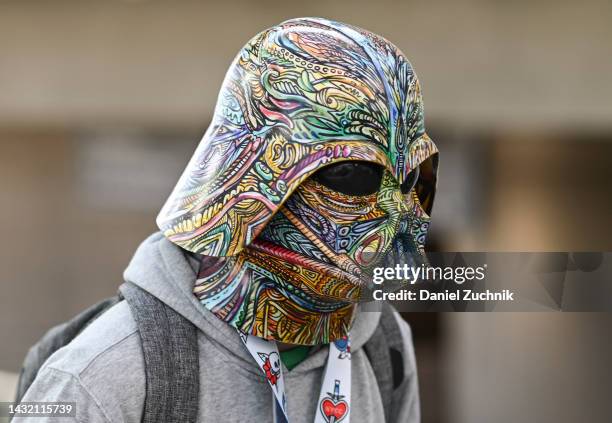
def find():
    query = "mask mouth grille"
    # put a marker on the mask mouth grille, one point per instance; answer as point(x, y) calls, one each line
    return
point(345, 286)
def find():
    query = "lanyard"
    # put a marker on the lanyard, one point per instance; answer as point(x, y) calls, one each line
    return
point(334, 401)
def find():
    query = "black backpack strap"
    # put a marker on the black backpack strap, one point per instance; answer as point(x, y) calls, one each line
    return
point(170, 348)
point(385, 352)
point(56, 338)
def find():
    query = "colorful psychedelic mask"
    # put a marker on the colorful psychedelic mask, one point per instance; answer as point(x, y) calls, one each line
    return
point(287, 248)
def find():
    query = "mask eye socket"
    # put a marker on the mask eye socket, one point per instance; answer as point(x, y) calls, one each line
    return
point(351, 178)
point(410, 181)
point(424, 183)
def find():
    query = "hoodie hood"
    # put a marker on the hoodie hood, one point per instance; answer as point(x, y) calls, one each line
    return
point(164, 270)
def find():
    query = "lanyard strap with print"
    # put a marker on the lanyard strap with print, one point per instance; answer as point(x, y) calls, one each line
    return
point(334, 401)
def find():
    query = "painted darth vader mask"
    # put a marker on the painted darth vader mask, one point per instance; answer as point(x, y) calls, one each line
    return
point(316, 166)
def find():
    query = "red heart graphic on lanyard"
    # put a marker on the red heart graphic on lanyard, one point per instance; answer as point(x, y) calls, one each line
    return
point(331, 408)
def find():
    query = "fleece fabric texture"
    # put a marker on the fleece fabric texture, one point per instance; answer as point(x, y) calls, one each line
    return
point(102, 369)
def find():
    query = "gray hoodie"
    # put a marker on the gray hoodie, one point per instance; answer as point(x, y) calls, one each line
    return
point(102, 369)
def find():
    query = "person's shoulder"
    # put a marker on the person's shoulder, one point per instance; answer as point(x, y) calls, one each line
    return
point(102, 369)
point(106, 359)
point(108, 343)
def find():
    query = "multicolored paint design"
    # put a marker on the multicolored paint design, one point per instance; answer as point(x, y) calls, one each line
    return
point(300, 278)
point(285, 257)
point(301, 95)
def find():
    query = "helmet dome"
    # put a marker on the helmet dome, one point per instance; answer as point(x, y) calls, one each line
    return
point(304, 94)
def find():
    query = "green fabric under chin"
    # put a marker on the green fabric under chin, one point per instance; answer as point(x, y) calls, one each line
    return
point(294, 356)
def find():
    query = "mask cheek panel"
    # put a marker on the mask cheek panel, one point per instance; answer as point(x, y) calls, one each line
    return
point(359, 227)
point(336, 219)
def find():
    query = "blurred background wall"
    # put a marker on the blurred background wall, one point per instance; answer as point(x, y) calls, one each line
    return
point(102, 103)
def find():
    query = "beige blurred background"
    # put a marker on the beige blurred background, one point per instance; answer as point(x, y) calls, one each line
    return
point(102, 103)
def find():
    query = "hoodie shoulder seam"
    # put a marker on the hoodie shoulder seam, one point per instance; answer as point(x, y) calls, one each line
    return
point(105, 350)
